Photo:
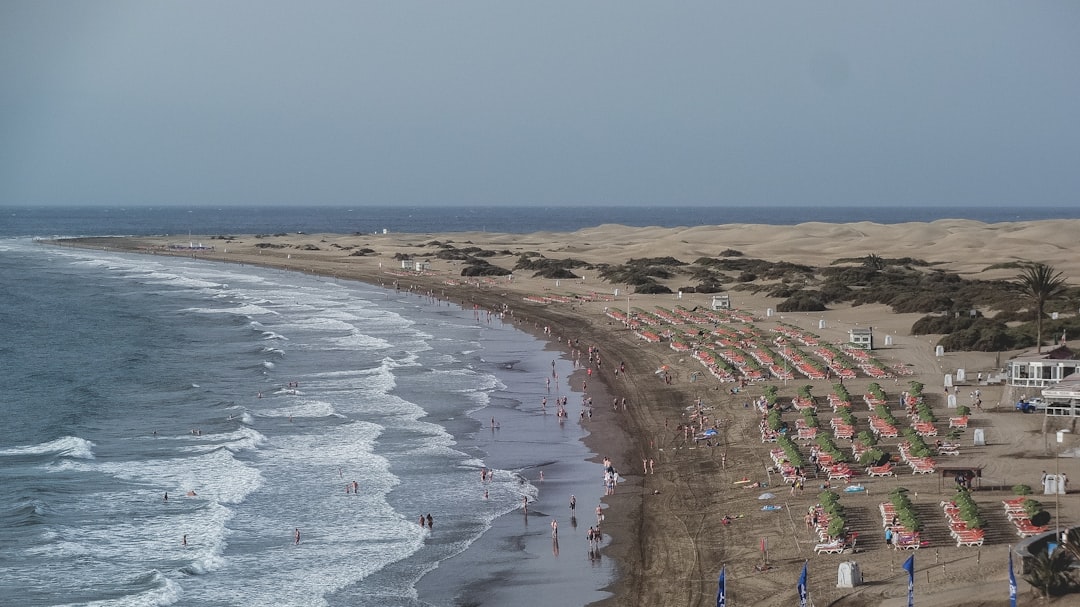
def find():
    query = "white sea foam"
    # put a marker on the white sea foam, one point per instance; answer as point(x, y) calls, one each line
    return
point(214, 475)
point(241, 310)
point(358, 341)
point(67, 446)
point(303, 409)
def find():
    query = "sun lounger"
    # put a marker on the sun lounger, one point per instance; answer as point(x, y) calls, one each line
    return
point(974, 537)
point(833, 547)
point(1030, 530)
point(958, 422)
point(925, 429)
point(885, 470)
point(907, 541)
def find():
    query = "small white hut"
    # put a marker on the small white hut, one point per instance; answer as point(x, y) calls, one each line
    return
point(721, 302)
point(861, 338)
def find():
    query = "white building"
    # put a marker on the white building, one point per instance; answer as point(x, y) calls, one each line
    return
point(1063, 398)
point(415, 265)
point(861, 338)
point(721, 302)
point(1035, 370)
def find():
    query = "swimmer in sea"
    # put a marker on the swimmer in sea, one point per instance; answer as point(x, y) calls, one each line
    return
point(296, 537)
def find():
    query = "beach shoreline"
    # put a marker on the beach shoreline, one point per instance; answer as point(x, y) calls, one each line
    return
point(666, 530)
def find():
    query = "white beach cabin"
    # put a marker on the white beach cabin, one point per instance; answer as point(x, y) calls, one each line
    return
point(861, 338)
point(721, 302)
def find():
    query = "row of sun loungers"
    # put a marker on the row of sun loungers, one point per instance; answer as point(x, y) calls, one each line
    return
point(787, 471)
point(919, 465)
point(959, 530)
point(1017, 514)
point(903, 539)
point(882, 428)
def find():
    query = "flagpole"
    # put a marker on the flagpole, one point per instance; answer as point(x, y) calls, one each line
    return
point(1012, 580)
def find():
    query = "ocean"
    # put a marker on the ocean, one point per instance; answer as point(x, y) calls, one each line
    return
point(211, 221)
point(170, 423)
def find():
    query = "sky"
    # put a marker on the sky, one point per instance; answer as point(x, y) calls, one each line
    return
point(860, 103)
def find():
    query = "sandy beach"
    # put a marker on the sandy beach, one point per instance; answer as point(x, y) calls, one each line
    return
point(666, 528)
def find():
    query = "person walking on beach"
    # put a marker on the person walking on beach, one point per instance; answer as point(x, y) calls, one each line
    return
point(573, 504)
point(599, 513)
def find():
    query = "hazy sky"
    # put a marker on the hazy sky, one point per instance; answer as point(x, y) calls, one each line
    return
point(501, 102)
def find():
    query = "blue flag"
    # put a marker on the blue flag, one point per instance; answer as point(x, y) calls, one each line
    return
point(1012, 582)
point(909, 566)
point(803, 595)
point(721, 594)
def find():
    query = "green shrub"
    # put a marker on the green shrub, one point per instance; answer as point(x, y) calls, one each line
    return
point(1021, 489)
point(836, 526)
point(872, 456)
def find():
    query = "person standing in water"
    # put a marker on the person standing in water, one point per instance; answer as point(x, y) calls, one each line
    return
point(296, 536)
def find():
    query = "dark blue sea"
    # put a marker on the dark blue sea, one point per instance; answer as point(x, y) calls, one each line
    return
point(143, 221)
point(169, 423)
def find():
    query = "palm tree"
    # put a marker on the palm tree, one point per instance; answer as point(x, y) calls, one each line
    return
point(874, 262)
point(1051, 573)
point(1040, 283)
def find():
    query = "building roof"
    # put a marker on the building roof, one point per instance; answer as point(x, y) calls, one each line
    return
point(1069, 387)
point(1058, 353)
